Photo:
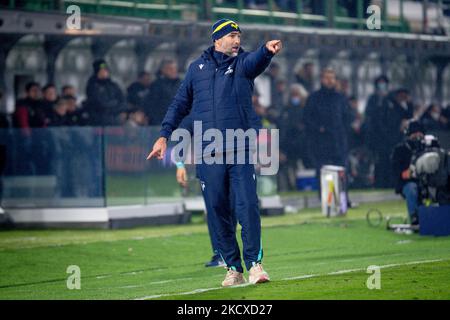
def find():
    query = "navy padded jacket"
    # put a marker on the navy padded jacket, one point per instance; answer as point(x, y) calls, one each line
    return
point(219, 95)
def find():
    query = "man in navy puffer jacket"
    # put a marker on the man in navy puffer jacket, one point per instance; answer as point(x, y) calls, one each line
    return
point(217, 91)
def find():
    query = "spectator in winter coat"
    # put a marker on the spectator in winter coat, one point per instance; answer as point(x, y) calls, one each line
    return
point(373, 114)
point(326, 121)
point(49, 98)
point(58, 115)
point(29, 112)
point(292, 136)
point(162, 91)
point(305, 76)
point(434, 119)
point(105, 100)
point(139, 90)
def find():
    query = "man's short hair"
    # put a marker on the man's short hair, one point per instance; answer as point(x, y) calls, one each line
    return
point(143, 73)
point(383, 78)
point(300, 89)
point(60, 102)
point(327, 70)
point(67, 86)
point(30, 85)
point(69, 97)
point(402, 90)
point(166, 61)
point(48, 86)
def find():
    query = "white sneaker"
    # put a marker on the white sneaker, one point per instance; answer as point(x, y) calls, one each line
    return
point(258, 275)
point(233, 278)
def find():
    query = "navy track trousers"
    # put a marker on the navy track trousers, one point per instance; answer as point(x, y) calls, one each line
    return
point(212, 232)
point(225, 186)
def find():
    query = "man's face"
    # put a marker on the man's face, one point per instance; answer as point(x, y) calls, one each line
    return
point(309, 70)
point(229, 44)
point(295, 93)
point(382, 87)
point(139, 117)
point(50, 94)
point(416, 136)
point(34, 93)
point(61, 108)
point(403, 97)
point(145, 80)
point(69, 91)
point(170, 70)
point(274, 70)
point(328, 80)
point(71, 105)
point(103, 74)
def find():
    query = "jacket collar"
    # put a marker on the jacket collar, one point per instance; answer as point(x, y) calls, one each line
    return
point(208, 55)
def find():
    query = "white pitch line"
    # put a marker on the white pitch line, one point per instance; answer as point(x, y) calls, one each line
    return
point(308, 276)
point(344, 271)
point(190, 292)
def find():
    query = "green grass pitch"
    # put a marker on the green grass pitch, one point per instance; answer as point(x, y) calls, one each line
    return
point(306, 255)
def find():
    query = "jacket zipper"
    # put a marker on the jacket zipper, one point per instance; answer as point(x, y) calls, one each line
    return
point(213, 102)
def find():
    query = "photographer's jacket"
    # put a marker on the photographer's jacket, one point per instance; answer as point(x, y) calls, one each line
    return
point(218, 91)
point(401, 160)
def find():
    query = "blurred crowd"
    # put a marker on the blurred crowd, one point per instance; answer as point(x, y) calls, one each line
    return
point(105, 103)
point(325, 125)
point(319, 126)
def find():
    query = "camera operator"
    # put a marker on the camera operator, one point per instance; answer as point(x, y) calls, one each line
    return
point(402, 157)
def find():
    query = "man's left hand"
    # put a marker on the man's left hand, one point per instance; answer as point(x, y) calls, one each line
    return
point(182, 177)
point(274, 46)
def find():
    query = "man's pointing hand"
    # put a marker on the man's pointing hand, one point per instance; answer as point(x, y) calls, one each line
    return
point(274, 46)
point(159, 149)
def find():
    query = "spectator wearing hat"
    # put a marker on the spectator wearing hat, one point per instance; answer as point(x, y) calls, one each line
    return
point(105, 100)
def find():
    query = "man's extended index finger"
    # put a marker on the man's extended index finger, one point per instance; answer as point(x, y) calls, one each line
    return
point(152, 154)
